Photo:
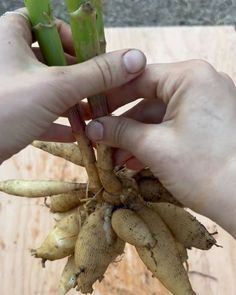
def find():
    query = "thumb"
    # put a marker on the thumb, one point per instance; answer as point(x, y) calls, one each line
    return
point(141, 140)
point(97, 75)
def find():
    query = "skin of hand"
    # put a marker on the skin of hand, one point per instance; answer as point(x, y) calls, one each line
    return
point(183, 130)
point(33, 95)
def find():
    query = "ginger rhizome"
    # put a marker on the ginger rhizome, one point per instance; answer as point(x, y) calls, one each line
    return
point(94, 220)
point(91, 229)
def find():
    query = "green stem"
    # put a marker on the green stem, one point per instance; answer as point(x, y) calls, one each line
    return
point(100, 25)
point(87, 26)
point(98, 103)
point(73, 5)
point(83, 25)
point(43, 22)
point(84, 29)
point(41, 16)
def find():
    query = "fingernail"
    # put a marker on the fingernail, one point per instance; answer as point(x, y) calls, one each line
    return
point(134, 61)
point(94, 131)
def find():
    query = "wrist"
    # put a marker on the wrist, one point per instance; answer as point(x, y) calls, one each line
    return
point(220, 199)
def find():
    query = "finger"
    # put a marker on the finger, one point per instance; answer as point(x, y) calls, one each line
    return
point(71, 60)
point(16, 24)
point(15, 32)
point(144, 86)
point(147, 111)
point(15, 37)
point(142, 140)
point(134, 164)
point(116, 131)
point(122, 157)
point(227, 78)
point(161, 81)
point(66, 37)
point(96, 75)
point(58, 133)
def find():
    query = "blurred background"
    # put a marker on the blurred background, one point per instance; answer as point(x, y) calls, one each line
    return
point(120, 13)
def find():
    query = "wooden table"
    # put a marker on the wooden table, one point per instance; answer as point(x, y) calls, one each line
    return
point(24, 223)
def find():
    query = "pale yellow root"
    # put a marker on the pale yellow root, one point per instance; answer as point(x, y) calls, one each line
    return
point(93, 253)
point(152, 190)
point(163, 260)
point(131, 228)
point(89, 162)
point(80, 210)
point(185, 227)
point(37, 188)
point(68, 201)
point(109, 232)
point(58, 216)
point(105, 167)
point(182, 252)
point(130, 191)
point(68, 279)
point(111, 199)
point(68, 151)
point(60, 242)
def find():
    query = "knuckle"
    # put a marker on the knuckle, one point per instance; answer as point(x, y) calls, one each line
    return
point(202, 65)
point(16, 26)
point(227, 78)
point(200, 71)
point(104, 70)
point(119, 133)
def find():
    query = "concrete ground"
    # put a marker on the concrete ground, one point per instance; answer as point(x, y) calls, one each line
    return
point(155, 12)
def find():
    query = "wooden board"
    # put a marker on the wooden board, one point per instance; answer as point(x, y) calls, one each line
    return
point(24, 223)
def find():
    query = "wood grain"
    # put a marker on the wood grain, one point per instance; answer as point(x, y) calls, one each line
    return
point(24, 223)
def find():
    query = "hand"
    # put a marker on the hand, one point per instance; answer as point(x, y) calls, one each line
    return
point(33, 95)
point(188, 135)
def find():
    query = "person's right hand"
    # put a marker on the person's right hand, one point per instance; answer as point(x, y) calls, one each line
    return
point(189, 142)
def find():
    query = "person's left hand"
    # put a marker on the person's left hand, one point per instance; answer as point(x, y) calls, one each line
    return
point(33, 95)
